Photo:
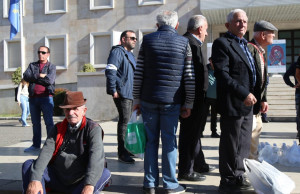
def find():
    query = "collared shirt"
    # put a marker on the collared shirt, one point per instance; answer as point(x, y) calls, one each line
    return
point(75, 127)
point(243, 44)
point(262, 54)
point(200, 42)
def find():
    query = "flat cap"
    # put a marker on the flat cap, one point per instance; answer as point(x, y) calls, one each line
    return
point(264, 26)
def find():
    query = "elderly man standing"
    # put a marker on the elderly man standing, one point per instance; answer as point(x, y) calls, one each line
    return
point(191, 157)
point(263, 36)
point(41, 77)
point(72, 159)
point(164, 74)
point(236, 77)
point(119, 72)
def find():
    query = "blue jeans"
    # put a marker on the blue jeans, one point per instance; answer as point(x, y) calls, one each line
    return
point(25, 109)
point(37, 106)
point(52, 182)
point(160, 119)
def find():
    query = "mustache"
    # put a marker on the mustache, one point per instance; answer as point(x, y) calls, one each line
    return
point(71, 116)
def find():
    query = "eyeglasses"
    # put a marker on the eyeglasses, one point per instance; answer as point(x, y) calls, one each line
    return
point(43, 52)
point(132, 38)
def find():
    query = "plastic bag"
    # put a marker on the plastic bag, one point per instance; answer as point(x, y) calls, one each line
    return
point(267, 179)
point(135, 137)
point(269, 154)
point(293, 155)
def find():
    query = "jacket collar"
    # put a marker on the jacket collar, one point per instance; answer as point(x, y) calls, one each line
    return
point(167, 28)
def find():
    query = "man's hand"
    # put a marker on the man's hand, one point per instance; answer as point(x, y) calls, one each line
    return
point(19, 103)
point(138, 108)
point(250, 100)
point(185, 112)
point(264, 107)
point(35, 187)
point(87, 189)
point(42, 75)
point(116, 95)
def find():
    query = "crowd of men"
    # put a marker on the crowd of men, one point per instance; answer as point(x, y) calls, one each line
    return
point(168, 82)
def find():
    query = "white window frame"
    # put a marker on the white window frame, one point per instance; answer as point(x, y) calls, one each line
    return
point(47, 11)
point(114, 40)
point(5, 53)
point(156, 2)
point(93, 7)
point(6, 8)
point(66, 59)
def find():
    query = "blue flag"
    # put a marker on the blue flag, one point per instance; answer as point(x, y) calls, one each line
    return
point(14, 17)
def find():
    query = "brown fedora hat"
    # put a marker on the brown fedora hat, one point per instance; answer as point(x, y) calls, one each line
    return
point(73, 99)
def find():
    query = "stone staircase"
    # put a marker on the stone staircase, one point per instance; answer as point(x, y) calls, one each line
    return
point(281, 99)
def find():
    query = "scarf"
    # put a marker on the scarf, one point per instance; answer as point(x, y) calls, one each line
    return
point(61, 132)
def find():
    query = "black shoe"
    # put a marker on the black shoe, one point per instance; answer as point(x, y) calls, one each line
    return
point(150, 190)
point(215, 135)
point(266, 120)
point(191, 177)
point(126, 159)
point(179, 189)
point(243, 184)
point(206, 168)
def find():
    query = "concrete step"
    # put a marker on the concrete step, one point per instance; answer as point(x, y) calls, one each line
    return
point(283, 97)
point(281, 102)
point(281, 107)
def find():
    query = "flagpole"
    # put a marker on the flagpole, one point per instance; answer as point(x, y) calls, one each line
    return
point(22, 39)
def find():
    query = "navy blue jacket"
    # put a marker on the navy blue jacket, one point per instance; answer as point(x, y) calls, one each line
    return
point(32, 75)
point(119, 72)
point(163, 56)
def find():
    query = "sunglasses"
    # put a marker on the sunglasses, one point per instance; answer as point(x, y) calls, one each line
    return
point(132, 38)
point(43, 52)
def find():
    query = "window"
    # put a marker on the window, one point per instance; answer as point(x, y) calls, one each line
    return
point(140, 35)
point(100, 46)
point(292, 38)
point(6, 8)
point(151, 2)
point(12, 54)
point(55, 6)
point(101, 4)
point(58, 50)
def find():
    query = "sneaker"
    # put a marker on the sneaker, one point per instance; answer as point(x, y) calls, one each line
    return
point(179, 189)
point(150, 190)
point(32, 149)
point(26, 125)
point(126, 159)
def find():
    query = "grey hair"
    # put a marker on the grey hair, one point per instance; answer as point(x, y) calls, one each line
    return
point(166, 17)
point(195, 22)
point(257, 33)
point(232, 13)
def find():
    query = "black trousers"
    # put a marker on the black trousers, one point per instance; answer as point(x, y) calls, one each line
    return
point(234, 146)
point(191, 157)
point(212, 103)
point(124, 107)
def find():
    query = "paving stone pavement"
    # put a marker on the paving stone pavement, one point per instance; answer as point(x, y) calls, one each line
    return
point(128, 178)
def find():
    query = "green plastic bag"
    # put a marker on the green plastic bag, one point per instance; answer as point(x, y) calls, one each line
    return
point(135, 137)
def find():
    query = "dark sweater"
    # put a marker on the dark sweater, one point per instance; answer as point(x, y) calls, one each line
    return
point(81, 156)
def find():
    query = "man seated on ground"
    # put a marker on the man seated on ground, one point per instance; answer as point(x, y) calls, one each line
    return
point(72, 159)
